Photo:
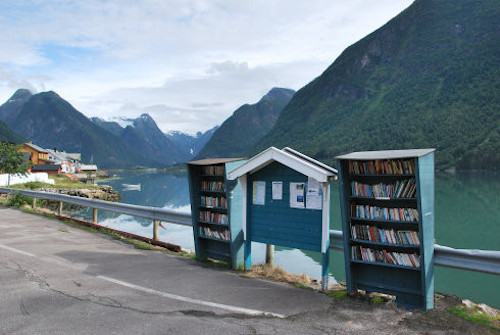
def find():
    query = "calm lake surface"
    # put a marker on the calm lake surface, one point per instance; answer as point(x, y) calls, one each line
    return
point(467, 216)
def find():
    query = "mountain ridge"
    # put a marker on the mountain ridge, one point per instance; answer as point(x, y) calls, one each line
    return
point(427, 78)
point(247, 125)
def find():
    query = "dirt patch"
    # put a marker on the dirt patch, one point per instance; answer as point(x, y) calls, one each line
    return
point(278, 274)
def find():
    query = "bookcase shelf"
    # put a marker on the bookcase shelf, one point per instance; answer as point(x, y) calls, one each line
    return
point(387, 200)
point(215, 234)
point(385, 244)
point(387, 265)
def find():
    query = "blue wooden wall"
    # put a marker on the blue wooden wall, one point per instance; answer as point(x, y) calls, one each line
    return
point(275, 222)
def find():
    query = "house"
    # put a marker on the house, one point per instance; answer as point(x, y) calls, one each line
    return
point(75, 159)
point(62, 158)
point(50, 169)
point(88, 168)
point(37, 155)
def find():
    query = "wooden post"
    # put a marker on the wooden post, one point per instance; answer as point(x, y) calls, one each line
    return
point(33, 204)
point(59, 213)
point(270, 254)
point(94, 215)
point(156, 230)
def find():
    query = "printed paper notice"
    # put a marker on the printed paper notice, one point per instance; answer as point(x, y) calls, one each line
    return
point(314, 194)
point(277, 190)
point(297, 195)
point(259, 192)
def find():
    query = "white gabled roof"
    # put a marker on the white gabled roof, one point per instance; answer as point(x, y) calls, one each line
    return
point(288, 157)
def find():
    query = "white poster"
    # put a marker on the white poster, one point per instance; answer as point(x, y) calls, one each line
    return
point(259, 193)
point(314, 195)
point(297, 195)
point(277, 190)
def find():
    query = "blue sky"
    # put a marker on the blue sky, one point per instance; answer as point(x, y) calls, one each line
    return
point(189, 64)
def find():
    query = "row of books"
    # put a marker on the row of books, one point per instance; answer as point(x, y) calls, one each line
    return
point(400, 189)
point(213, 170)
point(207, 185)
point(384, 213)
point(210, 216)
point(213, 202)
point(384, 256)
point(389, 166)
point(374, 234)
point(220, 234)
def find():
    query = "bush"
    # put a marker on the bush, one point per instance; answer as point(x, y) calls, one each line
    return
point(17, 200)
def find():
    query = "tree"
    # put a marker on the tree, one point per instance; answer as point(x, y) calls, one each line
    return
point(11, 160)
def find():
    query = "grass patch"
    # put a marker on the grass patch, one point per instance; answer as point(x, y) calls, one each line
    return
point(300, 285)
point(377, 300)
point(63, 230)
point(212, 262)
point(473, 315)
point(337, 294)
point(61, 181)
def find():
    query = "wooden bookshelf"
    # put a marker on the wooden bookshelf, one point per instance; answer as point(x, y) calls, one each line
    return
point(216, 234)
point(387, 200)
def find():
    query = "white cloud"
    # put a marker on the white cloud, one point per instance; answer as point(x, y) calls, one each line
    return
point(190, 63)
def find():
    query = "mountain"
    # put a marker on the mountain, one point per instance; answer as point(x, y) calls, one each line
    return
point(146, 137)
point(430, 77)
point(143, 135)
point(191, 144)
point(6, 134)
point(12, 107)
point(50, 121)
point(113, 127)
point(248, 124)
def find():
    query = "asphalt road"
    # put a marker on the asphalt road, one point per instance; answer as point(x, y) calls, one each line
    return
point(55, 279)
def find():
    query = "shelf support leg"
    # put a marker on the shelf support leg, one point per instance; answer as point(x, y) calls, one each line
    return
point(248, 255)
point(325, 270)
point(270, 254)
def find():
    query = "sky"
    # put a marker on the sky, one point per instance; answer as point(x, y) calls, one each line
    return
point(189, 64)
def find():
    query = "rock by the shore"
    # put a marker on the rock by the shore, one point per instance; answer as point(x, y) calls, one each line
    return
point(102, 193)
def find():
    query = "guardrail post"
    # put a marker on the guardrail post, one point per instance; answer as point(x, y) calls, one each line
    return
point(94, 215)
point(59, 212)
point(270, 254)
point(156, 230)
point(33, 204)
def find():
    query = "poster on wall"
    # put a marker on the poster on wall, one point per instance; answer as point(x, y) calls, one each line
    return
point(297, 195)
point(259, 193)
point(314, 194)
point(277, 190)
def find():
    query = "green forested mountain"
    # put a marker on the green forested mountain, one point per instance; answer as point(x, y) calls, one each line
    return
point(51, 122)
point(428, 78)
point(247, 125)
point(6, 134)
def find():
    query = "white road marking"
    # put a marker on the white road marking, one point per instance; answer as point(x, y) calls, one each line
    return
point(234, 309)
point(17, 250)
point(230, 308)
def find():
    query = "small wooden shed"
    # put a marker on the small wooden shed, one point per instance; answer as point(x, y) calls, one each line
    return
point(286, 202)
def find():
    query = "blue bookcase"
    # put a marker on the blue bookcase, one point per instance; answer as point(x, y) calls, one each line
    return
point(387, 200)
point(216, 205)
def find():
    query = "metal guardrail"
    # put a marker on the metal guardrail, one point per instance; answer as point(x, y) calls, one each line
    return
point(152, 213)
point(465, 259)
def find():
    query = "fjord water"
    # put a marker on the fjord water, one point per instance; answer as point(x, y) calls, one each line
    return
point(467, 206)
